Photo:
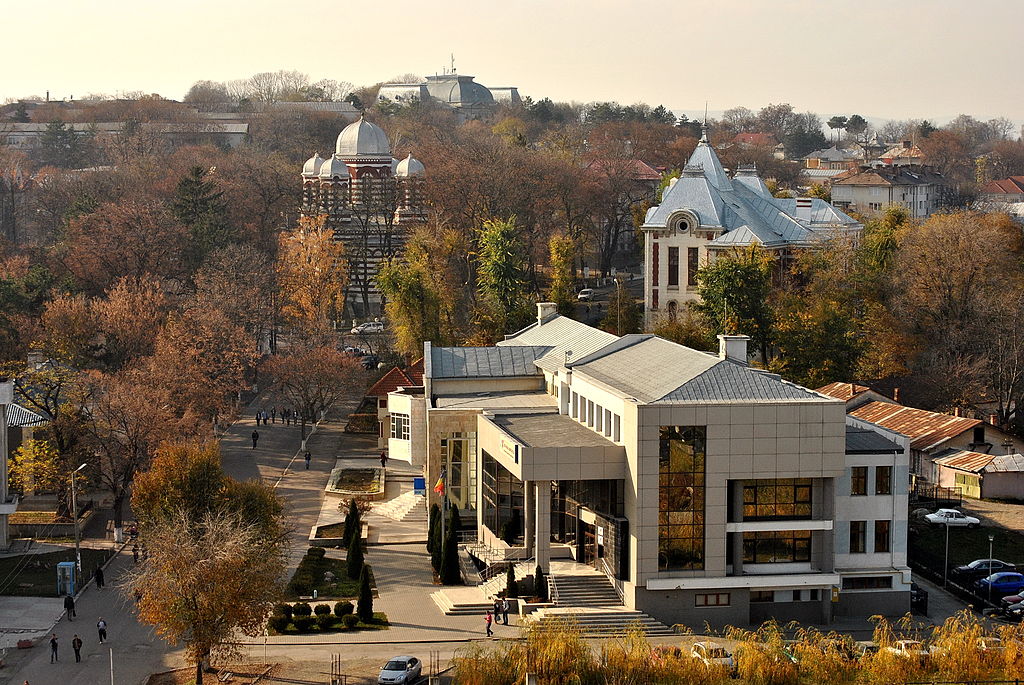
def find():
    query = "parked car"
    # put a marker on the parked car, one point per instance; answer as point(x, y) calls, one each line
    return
point(863, 648)
point(1010, 600)
point(952, 517)
point(990, 645)
point(585, 295)
point(979, 568)
point(369, 361)
point(711, 654)
point(1000, 584)
point(400, 669)
point(368, 328)
point(918, 599)
point(910, 649)
point(354, 351)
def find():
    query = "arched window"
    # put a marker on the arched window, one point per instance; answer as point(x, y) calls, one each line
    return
point(672, 309)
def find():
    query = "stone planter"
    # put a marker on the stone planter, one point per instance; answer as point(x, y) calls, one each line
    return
point(374, 494)
point(316, 541)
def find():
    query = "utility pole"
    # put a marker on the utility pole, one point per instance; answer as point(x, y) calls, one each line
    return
point(74, 518)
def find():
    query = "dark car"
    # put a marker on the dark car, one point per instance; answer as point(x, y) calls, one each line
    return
point(978, 569)
point(1010, 600)
point(369, 361)
point(918, 599)
point(1000, 584)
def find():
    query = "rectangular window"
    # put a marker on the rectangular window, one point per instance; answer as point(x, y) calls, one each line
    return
point(780, 498)
point(882, 536)
point(400, 426)
point(382, 403)
point(654, 299)
point(814, 595)
point(883, 480)
point(776, 546)
point(757, 596)
point(681, 463)
point(868, 583)
point(858, 533)
point(712, 599)
point(859, 480)
point(692, 264)
point(673, 266)
point(655, 275)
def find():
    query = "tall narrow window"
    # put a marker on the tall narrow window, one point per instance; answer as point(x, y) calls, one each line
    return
point(692, 257)
point(883, 480)
point(858, 533)
point(882, 536)
point(655, 263)
point(681, 498)
point(673, 266)
point(859, 480)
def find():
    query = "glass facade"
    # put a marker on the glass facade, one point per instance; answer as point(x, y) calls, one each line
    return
point(681, 467)
point(780, 498)
point(776, 547)
point(457, 454)
point(503, 501)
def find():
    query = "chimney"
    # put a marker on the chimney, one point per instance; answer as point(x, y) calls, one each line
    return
point(994, 419)
point(545, 310)
point(803, 208)
point(733, 348)
point(956, 411)
point(896, 395)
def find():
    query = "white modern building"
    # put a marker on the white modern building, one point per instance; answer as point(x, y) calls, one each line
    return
point(701, 488)
point(706, 212)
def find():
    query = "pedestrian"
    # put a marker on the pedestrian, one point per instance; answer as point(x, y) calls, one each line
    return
point(383, 459)
point(497, 610)
point(487, 622)
point(99, 577)
point(69, 606)
point(504, 611)
point(257, 418)
point(135, 553)
point(76, 644)
point(286, 414)
point(255, 439)
point(53, 648)
point(273, 415)
point(309, 457)
point(101, 628)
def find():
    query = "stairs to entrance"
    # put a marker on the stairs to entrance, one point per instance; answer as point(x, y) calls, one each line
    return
point(456, 601)
point(407, 507)
point(584, 590)
point(599, 620)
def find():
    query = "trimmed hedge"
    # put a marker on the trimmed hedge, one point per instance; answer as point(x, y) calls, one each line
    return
point(343, 609)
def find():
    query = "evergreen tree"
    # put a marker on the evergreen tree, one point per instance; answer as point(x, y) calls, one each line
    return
point(540, 584)
point(435, 520)
point(624, 315)
point(454, 520)
point(364, 605)
point(352, 522)
point(511, 584)
point(563, 274)
point(449, 571)
point(354, 558)
point(502, 279)
point(436, 545)
point(20, 115)
point(201, 207)
point(60, 146)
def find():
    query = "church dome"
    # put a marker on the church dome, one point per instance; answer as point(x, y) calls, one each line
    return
point(410, 167)
point(334, 170)
point(363, 139)
point(312, 166)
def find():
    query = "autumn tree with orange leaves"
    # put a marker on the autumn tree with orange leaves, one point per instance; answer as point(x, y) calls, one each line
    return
point(311, 274)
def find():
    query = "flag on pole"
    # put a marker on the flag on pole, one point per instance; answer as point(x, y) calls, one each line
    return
point(439, 486)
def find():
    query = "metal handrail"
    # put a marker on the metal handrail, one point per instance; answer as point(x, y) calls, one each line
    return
point(611, 575)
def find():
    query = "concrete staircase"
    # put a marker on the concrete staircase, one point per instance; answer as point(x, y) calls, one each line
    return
point(584, 590)
point(407, 507)
point(456, 601)
point(599, 620)
point(494, 585)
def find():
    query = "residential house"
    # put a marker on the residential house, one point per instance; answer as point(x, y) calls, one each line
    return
point(1009, 190)
point(16, 424)
point(870, 189)
point(702, 489)
point(821, 166)
point(979, 475)
point(904, 153)
point(395, 379)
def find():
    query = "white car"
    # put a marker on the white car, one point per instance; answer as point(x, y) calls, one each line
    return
point(368, 327)
point(585, 295)
point(400, 669)
point(952, 517)
point(711, 654)
point(911, 649)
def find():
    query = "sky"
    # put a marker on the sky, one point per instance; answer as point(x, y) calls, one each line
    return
point(880, 58)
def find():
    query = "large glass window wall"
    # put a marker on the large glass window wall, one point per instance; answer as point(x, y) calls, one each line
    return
point(503, 500)
point(681, 468)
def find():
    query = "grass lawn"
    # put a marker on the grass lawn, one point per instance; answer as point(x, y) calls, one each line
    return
point(309, 576)
point(928, 545)
point(357, 480)
point(35, 575)
point(334, 530)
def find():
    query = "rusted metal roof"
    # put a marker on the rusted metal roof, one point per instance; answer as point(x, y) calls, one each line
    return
point(927, 429)
point(964, 460)
point(842, 391)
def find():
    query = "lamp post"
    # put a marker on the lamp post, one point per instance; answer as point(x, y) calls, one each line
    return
point(991, 539)
point(945, 564)
point(74, 518)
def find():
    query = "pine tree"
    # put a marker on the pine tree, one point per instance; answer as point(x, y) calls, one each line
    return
point(562, 290)
point(435, 518)
point(354, 558)
point(352, 522)
point(201, 207)
point(454, 520)
point(511, 584)
point(364, 605)
point(437, 545)
point(449, 571)
point(502, 281)
point(540, 584)
point(20, 114)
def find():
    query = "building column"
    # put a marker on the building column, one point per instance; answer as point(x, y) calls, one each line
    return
point(529, 514)
point(542, 502)
point(737, 554)
point(736, 516)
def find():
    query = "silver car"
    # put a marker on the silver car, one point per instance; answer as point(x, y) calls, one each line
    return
point(400, 669)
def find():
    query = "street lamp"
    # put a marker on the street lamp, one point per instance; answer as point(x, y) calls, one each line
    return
point(991, 538)
point(945, 565)
point(74, 518)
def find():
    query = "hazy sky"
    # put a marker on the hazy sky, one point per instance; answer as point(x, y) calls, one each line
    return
point(882, 58)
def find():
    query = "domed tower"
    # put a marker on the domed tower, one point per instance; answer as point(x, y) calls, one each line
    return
point(365, 148)
point(311, 185)
point(409, 175)
point(334, 191)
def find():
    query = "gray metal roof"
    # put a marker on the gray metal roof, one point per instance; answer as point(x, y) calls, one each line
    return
point(560, 334)
point(728, 381)
point(485, 362)
point(19, 417)
point(549, 430)
point(1008, 463)
point(866, 441)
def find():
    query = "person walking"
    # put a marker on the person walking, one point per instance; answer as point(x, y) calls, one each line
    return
point(101, 628)
point(255, 438)
point(257, 418)
point(99, 577)
point(383, 459)
point(135, 553)
point(504, 610)
point(69, 606)
point(497, 610)
point(53, 648)
point(76, 644)
point(309, 458)
point(487, 622)
point(273, 415)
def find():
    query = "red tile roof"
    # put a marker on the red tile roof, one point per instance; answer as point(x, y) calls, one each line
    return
point(1014, 185)
point(843, 391)
point(396, 377)
point(415, 372)
point(927, 429)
